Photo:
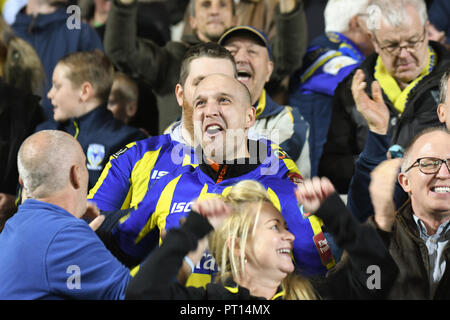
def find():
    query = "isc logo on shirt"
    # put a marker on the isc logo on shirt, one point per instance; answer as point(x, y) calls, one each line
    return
point(156, 174)
point(178, 207)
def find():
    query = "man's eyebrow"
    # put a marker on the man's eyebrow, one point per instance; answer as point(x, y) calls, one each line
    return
point(197, 79)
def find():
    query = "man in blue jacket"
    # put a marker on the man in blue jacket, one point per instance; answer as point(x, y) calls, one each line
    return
point(48, 252)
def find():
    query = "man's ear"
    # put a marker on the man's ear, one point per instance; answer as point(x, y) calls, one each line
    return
point(193, 22)
point(74, 177)
point(179, 94)
point(403, 180)
point(131, 109)
point(251, 117)
point(270, 70)
point(441, 111)
point(86, 91)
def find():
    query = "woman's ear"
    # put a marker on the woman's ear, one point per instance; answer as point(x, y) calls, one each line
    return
point(234, 246)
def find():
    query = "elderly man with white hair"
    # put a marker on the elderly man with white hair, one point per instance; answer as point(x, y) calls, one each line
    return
point(404, 74)
point(329, 59)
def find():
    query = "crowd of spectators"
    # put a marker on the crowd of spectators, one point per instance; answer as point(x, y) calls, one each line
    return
point(224, 150)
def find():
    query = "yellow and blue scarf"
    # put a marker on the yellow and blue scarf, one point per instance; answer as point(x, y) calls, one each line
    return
point(390, 86)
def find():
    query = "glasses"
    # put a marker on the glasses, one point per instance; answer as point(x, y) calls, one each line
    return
point(395, 48)
point(429, 165)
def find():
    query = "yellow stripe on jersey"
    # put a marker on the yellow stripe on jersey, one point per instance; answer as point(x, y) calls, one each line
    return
point(288, 162)
point(198, 280)
point(162, 210)
point(187, 161)
point(316, 225)
point(274, 199)
point(126, 202)
point(134, 270)
point(105, 174)
point(141, 176)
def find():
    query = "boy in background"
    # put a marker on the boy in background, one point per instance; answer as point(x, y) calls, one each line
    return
point(81, 84)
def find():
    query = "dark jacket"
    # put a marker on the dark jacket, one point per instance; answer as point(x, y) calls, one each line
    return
point(19, 115)
point(411, 255)
point(160, 66)
point(349, 281)
point(53, 37)
point(348, 129)
point(100, 136)
point(358, 200)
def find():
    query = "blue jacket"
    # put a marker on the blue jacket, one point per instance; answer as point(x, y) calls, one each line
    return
point(329, 59)
point(100, 136)
point(438, 14)
point(53, 37)
point(47, 253)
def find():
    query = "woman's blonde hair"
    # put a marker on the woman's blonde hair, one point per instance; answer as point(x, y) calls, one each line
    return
point(247, 198)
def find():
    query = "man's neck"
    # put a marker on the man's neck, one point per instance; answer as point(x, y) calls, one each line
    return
point(186, 135)
point(433, 221)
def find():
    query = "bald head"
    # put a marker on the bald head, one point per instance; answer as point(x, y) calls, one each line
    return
point(227, 84)
point(45, 160)
point(223, 114)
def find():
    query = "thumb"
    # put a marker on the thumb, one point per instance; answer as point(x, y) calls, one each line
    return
point(97, 222)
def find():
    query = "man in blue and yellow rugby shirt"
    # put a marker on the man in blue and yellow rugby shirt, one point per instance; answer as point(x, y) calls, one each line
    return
point(132, 171)
point(223, 114)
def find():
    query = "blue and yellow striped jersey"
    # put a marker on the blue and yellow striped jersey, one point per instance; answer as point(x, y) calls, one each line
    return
point(172, 196)
point(132, 171)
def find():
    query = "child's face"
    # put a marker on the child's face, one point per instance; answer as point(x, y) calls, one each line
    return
point(64, 97)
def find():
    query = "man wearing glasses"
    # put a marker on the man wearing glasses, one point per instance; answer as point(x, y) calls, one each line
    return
point(418, 233)
point(404, 74)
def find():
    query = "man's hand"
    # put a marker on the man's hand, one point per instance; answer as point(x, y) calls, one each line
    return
point(311, 193)
point(93, 213)
point(375, 111)
point(382, 186)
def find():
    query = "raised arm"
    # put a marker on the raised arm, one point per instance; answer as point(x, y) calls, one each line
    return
point(141, 58)
point(291, 39)
point(364, 246)
point(155, 279)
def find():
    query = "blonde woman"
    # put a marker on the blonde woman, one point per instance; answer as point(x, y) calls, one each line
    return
point(253, 248)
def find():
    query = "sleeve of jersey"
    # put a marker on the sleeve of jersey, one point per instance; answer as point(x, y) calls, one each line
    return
point(111, 190)
point(312, 253)
point(137, 233)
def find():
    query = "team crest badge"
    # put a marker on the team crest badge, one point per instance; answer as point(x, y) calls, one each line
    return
point(95, 155)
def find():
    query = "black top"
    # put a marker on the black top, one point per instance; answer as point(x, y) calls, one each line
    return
point(348, 280)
